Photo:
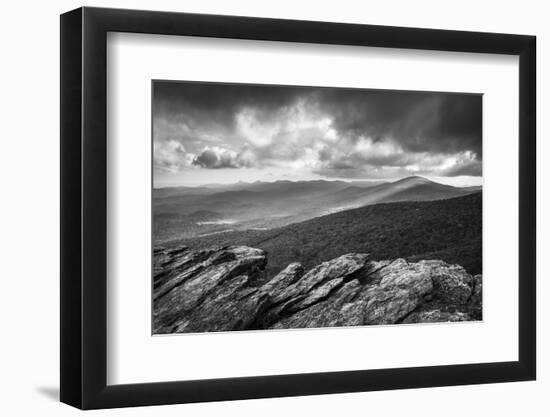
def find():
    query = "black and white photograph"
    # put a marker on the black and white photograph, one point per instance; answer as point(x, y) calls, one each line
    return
point(287, 207)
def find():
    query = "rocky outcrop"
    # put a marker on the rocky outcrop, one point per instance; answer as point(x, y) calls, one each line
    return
point(195, 281)
point(221, 289)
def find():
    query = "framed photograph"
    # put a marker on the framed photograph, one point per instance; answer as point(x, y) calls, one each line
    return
point(257, 208)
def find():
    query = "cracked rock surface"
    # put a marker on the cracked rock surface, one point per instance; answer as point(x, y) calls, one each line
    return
point(223, 289)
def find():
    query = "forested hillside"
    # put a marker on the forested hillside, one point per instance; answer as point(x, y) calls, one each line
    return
point(450, 230)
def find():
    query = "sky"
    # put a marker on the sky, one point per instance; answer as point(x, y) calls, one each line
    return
point(224, 133)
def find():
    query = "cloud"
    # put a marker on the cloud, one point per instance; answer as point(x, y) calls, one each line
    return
point(370, 159)
point(433, 122)
point(471, 168)
point(216, 158)
point(170, 156)
point(332, 132)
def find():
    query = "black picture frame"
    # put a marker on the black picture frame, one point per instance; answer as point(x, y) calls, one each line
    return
point(84, 207)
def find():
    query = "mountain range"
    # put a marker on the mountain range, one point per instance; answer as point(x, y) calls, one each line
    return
point(191, 212)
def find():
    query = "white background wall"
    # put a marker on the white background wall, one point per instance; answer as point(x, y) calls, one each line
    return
point(29, 210)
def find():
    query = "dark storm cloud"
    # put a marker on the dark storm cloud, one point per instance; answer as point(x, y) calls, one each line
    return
point(334, 131)
point(209, 159)
point(432, 122)
point(472, 168)
point(218, 103)
point(218, 158)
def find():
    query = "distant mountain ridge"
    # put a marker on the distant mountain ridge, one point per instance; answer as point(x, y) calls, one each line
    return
point(249, 185)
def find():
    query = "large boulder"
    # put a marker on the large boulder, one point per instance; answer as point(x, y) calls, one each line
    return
point(451, 282)
point(185, 290)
